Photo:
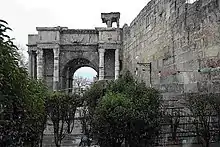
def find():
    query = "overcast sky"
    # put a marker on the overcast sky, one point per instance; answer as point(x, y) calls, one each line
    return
point(24, 16)
point(85, 72)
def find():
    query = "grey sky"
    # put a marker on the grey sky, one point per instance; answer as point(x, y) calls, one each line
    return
point(85, 72)
point(24, 16)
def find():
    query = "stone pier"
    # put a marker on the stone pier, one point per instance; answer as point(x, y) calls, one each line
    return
point(40, 62)
point(101, 64)
point(116, 63)
point(56, 53)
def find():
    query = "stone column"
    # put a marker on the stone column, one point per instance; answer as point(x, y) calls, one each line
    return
point(67, 80)
point(116, 64)
point(33, 66)
point(101, 64)
point(30, 63)
point(56, 53)
point(40, 62)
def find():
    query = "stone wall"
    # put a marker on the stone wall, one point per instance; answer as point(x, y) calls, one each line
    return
point(178, 38)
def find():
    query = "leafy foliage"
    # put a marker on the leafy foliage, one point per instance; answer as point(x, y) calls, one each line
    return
point(129, 111)
point(110, 119)
point(91, 99)
point(93, 95)
point(61, 110)
point(21, 99)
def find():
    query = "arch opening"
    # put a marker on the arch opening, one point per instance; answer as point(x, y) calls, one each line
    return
point(83, 79)
point(76, 70)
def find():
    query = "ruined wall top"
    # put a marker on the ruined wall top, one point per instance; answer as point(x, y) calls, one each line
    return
point(174, 35)
point(168, 6)
point(111, 17)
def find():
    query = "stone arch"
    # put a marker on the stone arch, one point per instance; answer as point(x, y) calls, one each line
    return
point(60, 47)
point(69, 69)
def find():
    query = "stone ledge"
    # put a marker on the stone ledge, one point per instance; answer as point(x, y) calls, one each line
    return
point(31, 45)
point(51, 28)
point(110, 45)
point(100, 29)
point(79, 44)
point(47, 45)
point(80, 31)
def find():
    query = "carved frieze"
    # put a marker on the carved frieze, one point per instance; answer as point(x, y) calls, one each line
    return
point(80, 31)
point(47, 46)
point(79, 38)
point(109, 36)
point(110, 45)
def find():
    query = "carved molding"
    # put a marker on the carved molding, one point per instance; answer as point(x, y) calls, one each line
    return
point(79, 44)
point(79, 31)
point(110, 45)
point(48, 46)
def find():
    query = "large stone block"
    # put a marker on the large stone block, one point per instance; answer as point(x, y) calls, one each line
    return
point(177, 36)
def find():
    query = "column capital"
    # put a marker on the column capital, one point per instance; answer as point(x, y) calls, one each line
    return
point(56, 51)
point(39, 51)
point(101, 50)
point(29, 52)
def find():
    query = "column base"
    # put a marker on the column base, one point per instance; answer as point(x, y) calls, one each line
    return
point(55, 86)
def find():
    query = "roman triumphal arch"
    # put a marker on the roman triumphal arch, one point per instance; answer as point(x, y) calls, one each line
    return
point(55, 53)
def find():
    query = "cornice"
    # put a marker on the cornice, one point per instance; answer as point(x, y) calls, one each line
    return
point(79, 31)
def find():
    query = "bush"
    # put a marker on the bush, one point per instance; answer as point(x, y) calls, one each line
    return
point(129, 111)
point(21, 99)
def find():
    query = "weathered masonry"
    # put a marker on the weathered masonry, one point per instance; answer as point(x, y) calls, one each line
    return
point(55, 53)
point(174, 45)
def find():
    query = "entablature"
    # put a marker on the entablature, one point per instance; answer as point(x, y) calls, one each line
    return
point(110, 46)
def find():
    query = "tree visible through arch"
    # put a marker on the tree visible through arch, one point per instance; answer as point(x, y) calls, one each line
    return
point(71, 67)
point(83, 78)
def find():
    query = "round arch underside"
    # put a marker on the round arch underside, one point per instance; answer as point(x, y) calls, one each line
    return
point(70, 68)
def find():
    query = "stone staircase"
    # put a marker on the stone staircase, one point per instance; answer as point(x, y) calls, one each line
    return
point(68, 141)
